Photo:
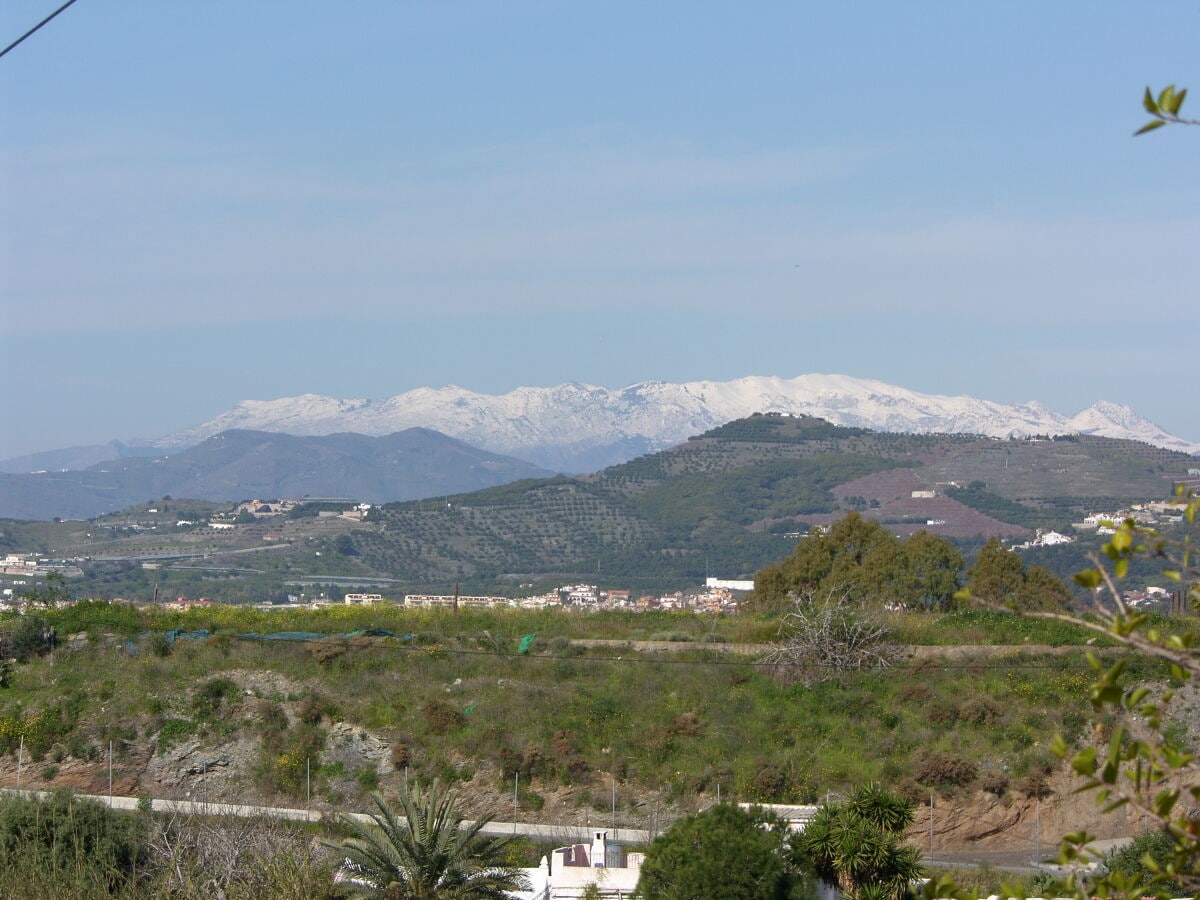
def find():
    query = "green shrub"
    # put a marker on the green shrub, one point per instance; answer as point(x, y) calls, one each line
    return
point(174, 730)
point(65, 837)
point(530, 800)
point(159, 644)
point(289, 769)
point(30, 638)
point(1129, 860)
point(212, 696)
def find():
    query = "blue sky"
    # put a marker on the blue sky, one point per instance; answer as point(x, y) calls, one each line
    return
point(208, 202)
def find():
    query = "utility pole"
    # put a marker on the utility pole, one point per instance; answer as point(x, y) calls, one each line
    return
point(1037, 832)
point(931, 824)
point(20, 755)
point(614, 805)
point(110, 774)
point(308, 783)
point(516, 794)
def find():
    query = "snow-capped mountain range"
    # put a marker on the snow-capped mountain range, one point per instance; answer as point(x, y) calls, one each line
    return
point(580, 427)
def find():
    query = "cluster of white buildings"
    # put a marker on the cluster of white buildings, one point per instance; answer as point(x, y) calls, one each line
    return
point(23, 570)
point(32, 565)
point(19, 564)
point(716, 597)
point(1046, 539)
point(1159, 512)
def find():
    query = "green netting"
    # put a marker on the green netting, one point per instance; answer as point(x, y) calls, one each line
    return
point(320, 636)
point(200, 634)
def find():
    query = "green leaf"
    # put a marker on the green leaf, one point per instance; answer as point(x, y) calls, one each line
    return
point(1089, 578)
point(1178, 102)
point(1084, 762)
point(1148, 102)
point(1150, 126)
point(1058, 746)
point(1120, 568)
point(1109, 695)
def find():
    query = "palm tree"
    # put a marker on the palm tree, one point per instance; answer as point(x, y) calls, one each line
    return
point(429, 853)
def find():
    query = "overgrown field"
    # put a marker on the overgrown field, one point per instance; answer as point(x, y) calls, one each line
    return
point(455, 701)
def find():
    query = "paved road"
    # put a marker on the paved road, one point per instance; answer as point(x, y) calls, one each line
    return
point(541, 831)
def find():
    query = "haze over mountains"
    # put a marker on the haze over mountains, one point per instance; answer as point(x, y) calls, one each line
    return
point(240, 465)
point(577, 428)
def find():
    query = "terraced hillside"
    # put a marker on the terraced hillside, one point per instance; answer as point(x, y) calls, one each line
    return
point(729, 501)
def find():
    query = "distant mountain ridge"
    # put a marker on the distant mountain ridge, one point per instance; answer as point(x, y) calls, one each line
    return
point(74, 457)
point(580, 427)
point(241, 464)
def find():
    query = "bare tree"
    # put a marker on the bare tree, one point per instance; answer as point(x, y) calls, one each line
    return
point(822, 639)
point(229, 858)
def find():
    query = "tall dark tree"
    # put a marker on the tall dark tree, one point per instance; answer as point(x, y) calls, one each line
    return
point(935, 565)
point(998, 577)
point(723, 853)
point(859, 559)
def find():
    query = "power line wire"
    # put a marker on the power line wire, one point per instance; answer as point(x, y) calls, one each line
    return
point(36, 27)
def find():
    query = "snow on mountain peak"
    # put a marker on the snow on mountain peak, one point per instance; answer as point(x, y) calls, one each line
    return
point(562, 426)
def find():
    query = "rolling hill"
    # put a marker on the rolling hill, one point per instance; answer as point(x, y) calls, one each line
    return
point(734, 499)
point(583, 428)
point(727, 502)
point(238, 465)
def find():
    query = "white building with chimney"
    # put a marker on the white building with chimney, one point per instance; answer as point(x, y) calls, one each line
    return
point(569, 871)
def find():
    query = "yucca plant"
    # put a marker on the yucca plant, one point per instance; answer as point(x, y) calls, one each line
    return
point(857, 846)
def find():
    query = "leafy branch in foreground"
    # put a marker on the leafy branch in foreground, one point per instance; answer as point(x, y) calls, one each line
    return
point(1145, 768)
point(1165, 109)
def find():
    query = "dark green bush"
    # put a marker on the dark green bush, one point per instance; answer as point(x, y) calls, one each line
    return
point(1130, 859)
point(30, 637)
point(213, 695)
point(174, 730)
